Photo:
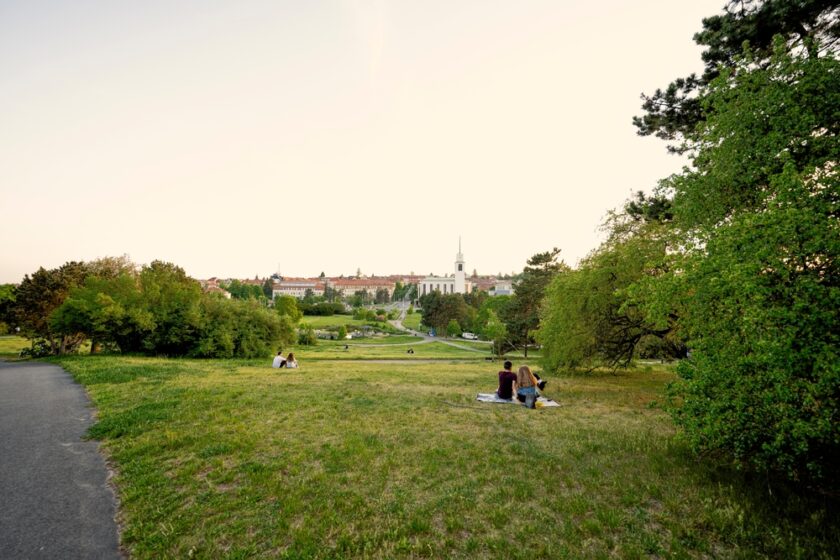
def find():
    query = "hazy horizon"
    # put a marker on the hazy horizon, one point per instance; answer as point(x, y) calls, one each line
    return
point(327, 136)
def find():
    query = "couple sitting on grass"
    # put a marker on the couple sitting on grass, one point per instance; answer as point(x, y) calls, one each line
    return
point(281, 362)
point(524, 384)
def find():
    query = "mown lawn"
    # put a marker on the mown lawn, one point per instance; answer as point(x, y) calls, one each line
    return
point(11, 346)
point(381, 349)
point(389, 339)
point(339, 459)
point(322, 321)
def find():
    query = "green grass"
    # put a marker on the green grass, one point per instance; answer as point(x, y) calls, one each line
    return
point(226, 459)
point(391, 339)
point(12, 345)
point(321, 321)
point(380, 349)
point(413, 321)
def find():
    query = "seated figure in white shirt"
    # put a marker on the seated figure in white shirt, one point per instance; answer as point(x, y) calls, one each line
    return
point(290, 361)
point(279, 360)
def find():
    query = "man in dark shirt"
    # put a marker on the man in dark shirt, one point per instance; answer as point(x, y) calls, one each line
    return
point(506, 381)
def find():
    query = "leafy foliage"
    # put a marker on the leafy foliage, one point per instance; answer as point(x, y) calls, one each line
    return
point(7, 301)
point(673, 113)
point(522, 314)
point(239, 329)
point(306, 335)
point(760, 213)
point(382, 296)
point(242, 290)
point(158, 310)
point(106, 310)
point(288, 305)
point(173, 300)
point(439, 309)
point(42, 293)
point(496, 331)
point(323, 309)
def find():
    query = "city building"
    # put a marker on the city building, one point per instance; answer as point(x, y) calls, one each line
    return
point(297, 287)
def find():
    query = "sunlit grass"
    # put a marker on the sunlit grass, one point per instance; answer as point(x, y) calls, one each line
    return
point(225, 459)
point(12, 345)
point(378, 349)
point(412, 321)
point(323, 321)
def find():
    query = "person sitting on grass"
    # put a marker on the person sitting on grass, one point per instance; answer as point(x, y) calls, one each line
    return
point(279, 360)
point(506, 381)
point(526, 384)
point(290, 361)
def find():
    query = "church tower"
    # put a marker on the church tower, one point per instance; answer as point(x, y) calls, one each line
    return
point(460, 272)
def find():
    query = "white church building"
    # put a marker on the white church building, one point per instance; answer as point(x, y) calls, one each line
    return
point(456, 284)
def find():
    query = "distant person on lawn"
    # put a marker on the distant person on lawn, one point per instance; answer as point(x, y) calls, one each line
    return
point(279, 360)
point(506, 380)
point(290, 361)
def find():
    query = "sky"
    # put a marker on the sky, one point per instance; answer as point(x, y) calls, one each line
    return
point(238, 139)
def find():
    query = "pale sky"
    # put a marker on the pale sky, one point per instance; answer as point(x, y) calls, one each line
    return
point(235, 137)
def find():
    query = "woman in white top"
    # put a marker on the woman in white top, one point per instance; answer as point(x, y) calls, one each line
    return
point(290, 361)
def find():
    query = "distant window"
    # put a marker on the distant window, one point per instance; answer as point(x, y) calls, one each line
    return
point(460, 267)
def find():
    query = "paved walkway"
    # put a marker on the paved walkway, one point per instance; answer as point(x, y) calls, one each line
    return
point(54, 499)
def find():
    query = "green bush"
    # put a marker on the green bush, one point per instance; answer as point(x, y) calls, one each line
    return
point(307, 336)
point(323, 309)
point(240, 329)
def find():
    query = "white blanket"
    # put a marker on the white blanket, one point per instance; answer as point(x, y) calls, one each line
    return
point(492, 398)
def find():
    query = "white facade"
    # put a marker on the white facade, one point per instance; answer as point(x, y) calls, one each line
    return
point(455, 284)
point(297, 288)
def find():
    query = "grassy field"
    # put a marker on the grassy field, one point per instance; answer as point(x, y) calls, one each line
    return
point(412, 321)
point(225, 459)
point(391, 339)
point(322, 321)
point(379, 349)
point(12, 345)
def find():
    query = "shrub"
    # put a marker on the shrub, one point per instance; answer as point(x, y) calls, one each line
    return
point(307, 336)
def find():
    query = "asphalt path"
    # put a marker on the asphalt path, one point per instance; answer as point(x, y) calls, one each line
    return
point(55, 501)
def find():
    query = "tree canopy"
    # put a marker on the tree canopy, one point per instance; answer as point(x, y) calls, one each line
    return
point(812, 26)
point(759, 214)
point(522, 314)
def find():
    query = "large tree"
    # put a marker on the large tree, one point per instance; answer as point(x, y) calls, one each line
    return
point(288, 305)
point(105, 310)
point(674, 112)
point(759, 211)
point(599, 313)
point(439, 309)
point(173, 299)
point(39, 295)
point(522, 314)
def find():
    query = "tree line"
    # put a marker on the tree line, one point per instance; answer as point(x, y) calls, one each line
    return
point(155, 309)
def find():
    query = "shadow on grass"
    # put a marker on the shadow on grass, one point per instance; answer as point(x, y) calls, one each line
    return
point(767, 516)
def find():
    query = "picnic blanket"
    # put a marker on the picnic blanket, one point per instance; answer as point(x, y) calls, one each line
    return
point(492, 398)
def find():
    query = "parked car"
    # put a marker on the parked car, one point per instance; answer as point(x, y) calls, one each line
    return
point(469, 336)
